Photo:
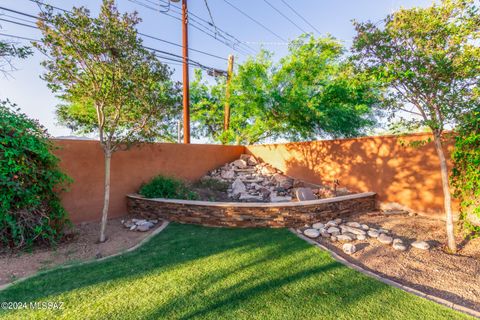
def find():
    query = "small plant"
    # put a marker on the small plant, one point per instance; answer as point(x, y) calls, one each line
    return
point(168, 188)
point(30, 209)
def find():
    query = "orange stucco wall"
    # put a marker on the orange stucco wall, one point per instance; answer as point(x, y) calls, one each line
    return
point(83, 161)
point(403, 174)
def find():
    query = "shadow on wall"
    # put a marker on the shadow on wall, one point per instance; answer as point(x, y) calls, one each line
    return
point(396, 171)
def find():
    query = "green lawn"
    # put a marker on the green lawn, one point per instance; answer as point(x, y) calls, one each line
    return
point(214, 273)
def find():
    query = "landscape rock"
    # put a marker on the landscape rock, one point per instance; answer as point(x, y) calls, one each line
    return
point(349, 248)
point(422, 245)
point(311, 233)
point(333, 230)
point(383, 238)
point(304, 194)
point(361, 237)
point(238, 187)
point(344, 237)
point(398, 245)
point(241, 164)
point(333, 238)
point(365, 227)
point(337, 221)
point(353, 224)
point(318, 225)
point(354, 230)
point(143, 227)
point(283, 181)
point(373, 233)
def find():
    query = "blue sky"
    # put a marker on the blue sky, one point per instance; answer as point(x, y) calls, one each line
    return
point(25, 87)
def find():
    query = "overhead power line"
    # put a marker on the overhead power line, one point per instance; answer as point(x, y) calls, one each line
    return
point(140, 33)
point(299, 15)
point(285, 16)
point(178, 57)
point(201, 25)
point(254, 20)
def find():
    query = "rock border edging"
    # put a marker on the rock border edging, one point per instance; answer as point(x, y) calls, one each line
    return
point(400, 286)
point(145, 240)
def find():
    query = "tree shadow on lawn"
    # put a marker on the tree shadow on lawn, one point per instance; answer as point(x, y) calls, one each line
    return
point(168, 249)
point(276, 275)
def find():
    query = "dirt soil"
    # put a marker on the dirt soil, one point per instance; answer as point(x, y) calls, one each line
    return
point(452, 277)
point(81, 246)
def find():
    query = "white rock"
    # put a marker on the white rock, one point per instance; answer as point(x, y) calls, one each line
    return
point(422, 245)
point(230, 174)
point(333, 238)
point(133, 227)
point(283, 181)
point(337, 221)
point(311, 233)
point(333, 229)
point(238, 187)
point(344, 237)
point(349, 248)
point(353, 224)
point(383, 238)
point(365, 227)
point(398, 245)
point(248, 197)
point(143, 228)
point(381, 230)
point(318, 225)
point(361, 237)
point(241, 164)
point(325, 234)
point(373, 233)
point(352, 230)
point(331, 223)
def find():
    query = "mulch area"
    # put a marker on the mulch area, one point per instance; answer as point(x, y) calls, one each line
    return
point(452, 277)
point(80, 245)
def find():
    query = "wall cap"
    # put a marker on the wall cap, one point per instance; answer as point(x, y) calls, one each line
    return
point(256, 204)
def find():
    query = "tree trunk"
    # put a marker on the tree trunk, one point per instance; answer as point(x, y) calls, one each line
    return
point(106, 199)
point(452, 246)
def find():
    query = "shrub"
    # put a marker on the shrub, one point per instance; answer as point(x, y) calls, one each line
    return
point(167, 187)
point(466, 170)
point(30, 209)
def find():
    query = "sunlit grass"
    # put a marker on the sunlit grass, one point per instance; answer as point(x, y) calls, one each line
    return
point(213, 273)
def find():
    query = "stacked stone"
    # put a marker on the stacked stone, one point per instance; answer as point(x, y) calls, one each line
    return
point(252, 181)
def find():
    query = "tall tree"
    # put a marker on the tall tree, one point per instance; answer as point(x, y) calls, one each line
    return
point(429, 58)
point(111, 84)
point(312, 92)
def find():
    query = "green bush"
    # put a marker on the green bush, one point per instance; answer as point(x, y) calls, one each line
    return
point(30, 209)
point(168, 188)
point(466, 170)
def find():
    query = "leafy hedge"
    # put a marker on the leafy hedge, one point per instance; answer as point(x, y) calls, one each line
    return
point(466, 171)
point(30, 209)
point(168, 188)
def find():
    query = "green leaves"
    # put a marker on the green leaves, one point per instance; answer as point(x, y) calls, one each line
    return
point(426, 57)
point(168, 188)
point(30, 209)
point(110, 83)
point(312, 92)
point(466, 171)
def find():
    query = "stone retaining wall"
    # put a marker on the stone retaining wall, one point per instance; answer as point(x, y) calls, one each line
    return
point(230, 214)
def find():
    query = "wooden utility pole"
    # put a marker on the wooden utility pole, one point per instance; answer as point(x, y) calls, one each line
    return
point(226, 120)
point(186, 84)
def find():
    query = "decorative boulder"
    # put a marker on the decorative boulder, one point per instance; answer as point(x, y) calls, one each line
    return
point(304, 194)
point(422, 245)
point(349, 248)
point(383, 238)
point(311, 233)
